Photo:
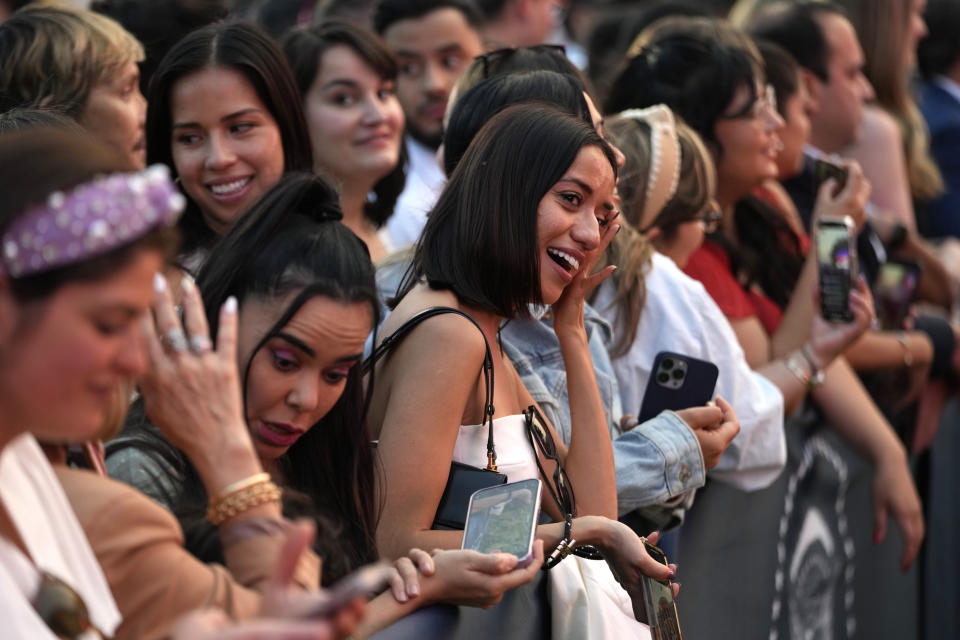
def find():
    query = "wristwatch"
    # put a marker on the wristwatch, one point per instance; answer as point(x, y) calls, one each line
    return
point(816, 373)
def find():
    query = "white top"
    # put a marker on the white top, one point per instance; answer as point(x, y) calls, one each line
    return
point(586, 601)
point(425, 180)
point(680, 316)
point(49, 528)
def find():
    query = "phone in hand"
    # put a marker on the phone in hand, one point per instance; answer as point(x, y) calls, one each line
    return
point(503, 519)
point(677, 382)
point(362, 583)
point(658, 598)
point(824, 170)
point(894, 292)
point(836, 248)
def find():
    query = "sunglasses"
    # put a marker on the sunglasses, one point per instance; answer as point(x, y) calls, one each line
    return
point(710, 217)
point(764, 104)
point(492, 60)
point(62, 609)
point(561, 490)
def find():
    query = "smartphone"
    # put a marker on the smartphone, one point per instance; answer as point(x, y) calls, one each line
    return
point(836, 247)
point(894, 292)
point(658, 597)
point(504, 519)
point(362, 583)
point(824, 170)
point(677, 382)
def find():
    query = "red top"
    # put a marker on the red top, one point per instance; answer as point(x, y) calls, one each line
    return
point(711, 266)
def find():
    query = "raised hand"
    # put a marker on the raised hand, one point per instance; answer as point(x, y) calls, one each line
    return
point(191, 391)
point(568, 310)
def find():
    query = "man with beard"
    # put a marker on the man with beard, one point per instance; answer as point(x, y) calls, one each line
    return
point(434, 41)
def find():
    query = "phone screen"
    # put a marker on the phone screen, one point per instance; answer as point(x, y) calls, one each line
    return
point(836, 255)
point(658, 597)
point(894, 291)
point(503, 518)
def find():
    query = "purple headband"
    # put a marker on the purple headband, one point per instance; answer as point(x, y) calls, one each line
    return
point(90, 220)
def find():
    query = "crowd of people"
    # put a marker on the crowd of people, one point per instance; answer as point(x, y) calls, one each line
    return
point(279, 279)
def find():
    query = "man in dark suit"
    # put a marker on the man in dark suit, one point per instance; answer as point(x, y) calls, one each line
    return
point(939, 99)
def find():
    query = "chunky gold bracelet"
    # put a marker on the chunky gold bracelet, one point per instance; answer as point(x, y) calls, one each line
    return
point(224, 507)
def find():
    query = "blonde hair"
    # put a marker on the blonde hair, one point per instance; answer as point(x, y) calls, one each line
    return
point(630, 250)
point(53, 56)
point(882, 28)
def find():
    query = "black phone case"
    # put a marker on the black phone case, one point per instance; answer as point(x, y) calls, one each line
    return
point(697, 389)
point(463, 480)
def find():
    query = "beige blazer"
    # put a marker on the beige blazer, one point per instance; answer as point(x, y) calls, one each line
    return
point(154, 579)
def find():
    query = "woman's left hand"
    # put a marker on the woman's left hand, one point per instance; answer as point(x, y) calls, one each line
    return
point(630, 563)
point(568, 310)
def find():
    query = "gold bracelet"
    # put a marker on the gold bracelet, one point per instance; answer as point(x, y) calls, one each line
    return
point(239, 485)
point(223, 508)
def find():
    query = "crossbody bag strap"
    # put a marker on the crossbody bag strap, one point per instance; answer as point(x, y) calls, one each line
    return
point(394, 338)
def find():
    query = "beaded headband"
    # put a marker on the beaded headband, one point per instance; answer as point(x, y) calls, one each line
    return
point(91, 219)
point(664, 175)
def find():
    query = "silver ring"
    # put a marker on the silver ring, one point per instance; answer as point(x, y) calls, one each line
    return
point(200, 344)
point(176, 340)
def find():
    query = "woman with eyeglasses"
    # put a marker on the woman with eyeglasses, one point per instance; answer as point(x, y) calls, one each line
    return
point(490, 253)
point(770, 308)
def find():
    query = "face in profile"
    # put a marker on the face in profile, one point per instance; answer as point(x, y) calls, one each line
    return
point(795, 133)
point(299, 374)
point(79, 346)
point(115, 113)
point(570, 218)
point(747, 134)
point(355, 119)
point(226, 146)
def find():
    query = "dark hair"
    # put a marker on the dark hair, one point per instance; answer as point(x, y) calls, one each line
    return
point(694, 66)
point(480, 237)
point(479, 104)
point(796, 27)
point(615, 32)
point(781, 70)
point(491, 8)
point(389, 12)
point(160, 24)
point(941, 48)
point(245, 48)
point(36, 162)
point(304, 47)
point(290, 241)
point(543, 57)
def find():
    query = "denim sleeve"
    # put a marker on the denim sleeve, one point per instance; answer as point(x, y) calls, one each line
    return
point(657, 461)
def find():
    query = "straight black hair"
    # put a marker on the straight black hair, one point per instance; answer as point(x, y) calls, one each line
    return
point(475, 107)
point(694, 66)
point(480, 240)
point(304, 48)
point(390, 12)
point(245, 48)
point(291, 241)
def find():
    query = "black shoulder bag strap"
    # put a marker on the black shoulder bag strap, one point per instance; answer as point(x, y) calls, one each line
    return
point(394, 338)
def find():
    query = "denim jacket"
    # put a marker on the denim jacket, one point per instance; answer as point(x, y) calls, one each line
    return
point(656, 462)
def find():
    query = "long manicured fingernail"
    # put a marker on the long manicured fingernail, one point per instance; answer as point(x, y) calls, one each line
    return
point(230, 306)
point(159, 283)
point(187, 284)
point(672, 575)
point(413, 590)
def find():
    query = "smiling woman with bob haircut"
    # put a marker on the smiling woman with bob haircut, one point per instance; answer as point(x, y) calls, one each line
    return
point(523, 219)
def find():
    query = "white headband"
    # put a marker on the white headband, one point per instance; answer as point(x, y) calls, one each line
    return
point(664, 172)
